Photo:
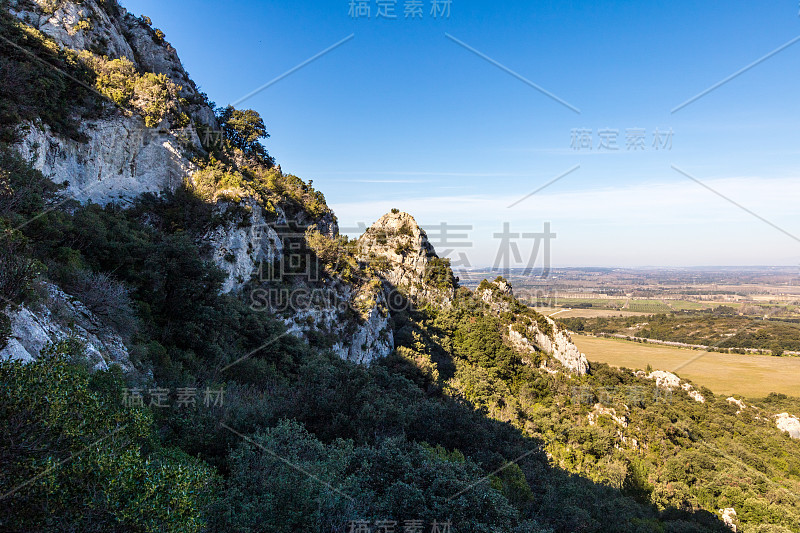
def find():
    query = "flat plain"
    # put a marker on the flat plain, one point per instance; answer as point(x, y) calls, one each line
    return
point(751, 376)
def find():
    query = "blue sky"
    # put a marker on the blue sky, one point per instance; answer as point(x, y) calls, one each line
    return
point(403, 116)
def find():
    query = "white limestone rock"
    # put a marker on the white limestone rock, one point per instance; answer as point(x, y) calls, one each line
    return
point(397, 241)
point(122, 159)
point(79, 26)
point(739, 403)
point(58, 318)
point(560, 347)
point(693, 394)
point(668, 380)
point(609, 412)
point(87, 25)
point(372, 339)
point(788, 424)
point(664, 379)
point(728, 516)
point(360, 339)
point(241, 249)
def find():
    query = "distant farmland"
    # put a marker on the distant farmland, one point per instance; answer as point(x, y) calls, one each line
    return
point(751, 376)
point(648, 306)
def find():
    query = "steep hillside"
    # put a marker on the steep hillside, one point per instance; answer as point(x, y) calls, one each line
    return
point(150, 112)
point(188, 344)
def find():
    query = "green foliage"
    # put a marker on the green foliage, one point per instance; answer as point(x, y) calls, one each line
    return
point(75, 459)
point(17, 271)
point(403, 248)
point(31, 89)
point(217, 180)
point(244, 130)
point(512, 483)
point(153, 96)
point(311, 200)
point(454, 425)
point(174, 288)
point(440, 275)
point(189, 332)
point(287, 480)
point(333, 255)
point(405, 229)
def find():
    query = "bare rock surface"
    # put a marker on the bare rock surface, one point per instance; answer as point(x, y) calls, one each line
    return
point(400, 248)
point(58, 318)
point(788, 424)
point(121, 160)
point(498, 295)
point(239, 249)
point(668, 380)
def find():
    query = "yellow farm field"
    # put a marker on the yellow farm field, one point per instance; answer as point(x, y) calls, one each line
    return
point(744, 375)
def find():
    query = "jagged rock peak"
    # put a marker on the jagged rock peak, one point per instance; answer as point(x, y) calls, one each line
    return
point(397, 224)
point(399, 250)
point(532, 332)
point(494, 292)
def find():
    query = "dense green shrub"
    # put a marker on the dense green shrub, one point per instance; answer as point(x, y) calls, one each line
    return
point(153, 96)
point(31, 89)
point(245, 129)
point(74, 459)
point(440, 275)
point(24, 191)
point(17, 270)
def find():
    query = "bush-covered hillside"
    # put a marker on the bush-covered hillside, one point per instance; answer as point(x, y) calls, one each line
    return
point(228, 422)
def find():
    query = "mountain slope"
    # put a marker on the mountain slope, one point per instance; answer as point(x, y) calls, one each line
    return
point(360, 381)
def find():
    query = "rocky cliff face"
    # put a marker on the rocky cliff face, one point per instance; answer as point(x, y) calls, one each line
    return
point(240, 247)
point(354, 319)
point(59, 317)
point(122, 158)
point(533, 332)
point(399, 249)
point(119, 158)
point(105, 28)
point(559, 346)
